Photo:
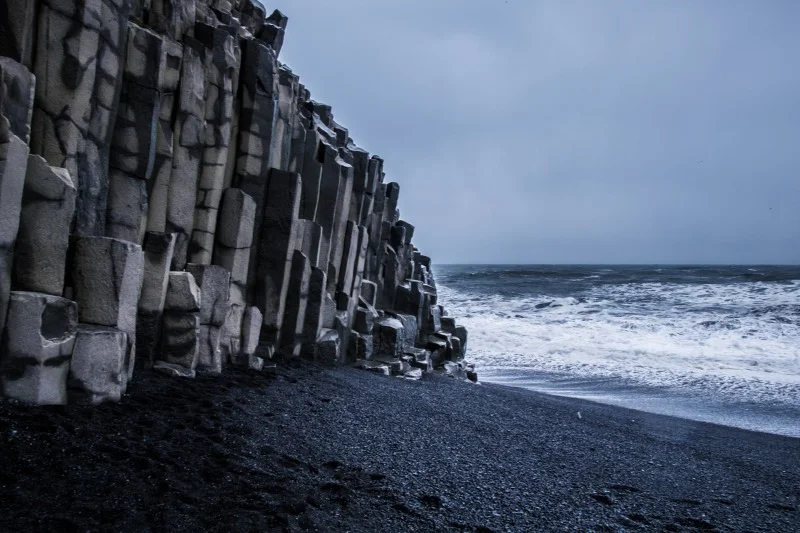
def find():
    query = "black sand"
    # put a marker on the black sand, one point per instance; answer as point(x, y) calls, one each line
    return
point(302, 448)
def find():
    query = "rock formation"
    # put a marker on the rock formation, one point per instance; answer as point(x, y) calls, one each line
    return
point(173, 200)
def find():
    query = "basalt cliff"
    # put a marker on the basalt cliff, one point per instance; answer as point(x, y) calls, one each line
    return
point(172, 199)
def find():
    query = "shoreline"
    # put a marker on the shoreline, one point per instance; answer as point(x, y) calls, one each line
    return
point(306, 448)
point(700, 406)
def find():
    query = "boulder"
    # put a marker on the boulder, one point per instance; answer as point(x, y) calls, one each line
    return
point(97, 372)
point(251, 330)
point(420, 358)
point(173, 370)
point(413, 374)
point(389, 337)
point(361, 346)
point(365, 320)
point(374, 366)
point(37, 347)
point(183, 294)
point(455, 370)
point(326, 350)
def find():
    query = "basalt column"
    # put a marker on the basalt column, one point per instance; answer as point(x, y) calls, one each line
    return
point(135, 136)
point(257, 117)
point(188, 142)
point(276, 247)
point(79, 61)
point(221, 70)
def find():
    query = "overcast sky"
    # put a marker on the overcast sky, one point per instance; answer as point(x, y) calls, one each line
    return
point(596, 131)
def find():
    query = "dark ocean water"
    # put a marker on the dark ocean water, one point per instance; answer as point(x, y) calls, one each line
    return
point(713, 343)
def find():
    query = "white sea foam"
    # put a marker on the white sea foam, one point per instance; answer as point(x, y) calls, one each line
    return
point(740, 342)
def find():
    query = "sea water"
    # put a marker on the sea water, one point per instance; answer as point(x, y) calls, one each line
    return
point(711, 343)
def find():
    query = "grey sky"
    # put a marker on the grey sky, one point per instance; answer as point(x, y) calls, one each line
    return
point(571, 131)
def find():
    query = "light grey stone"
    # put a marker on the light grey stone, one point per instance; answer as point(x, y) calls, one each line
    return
point(237, 214)
point(209, 355)
point(222, 68)
point(361, 346)
point(234, 240)
point(230, 339)
point(13, 164)
point(251, 330)
point(389, 337)
point(127, 207)
point(79, 71)
point(158, 249)
point(368, 291)
point(257, 115)
point(329, 213)
point(107, 280)
point(310, 235)
point(173, 370)
point(158, 187)
point(327, 349)
point(37, 348)
point(410, 328)
point(180, 338)
point(173, 17)
point(40, 252)
point(410, 299)
point(365, 320)
point(214, 284)
point(97, 370)
point(432, 319)
point(349, 258)
point(188, 142)
point(17, 86)
point(183, 293)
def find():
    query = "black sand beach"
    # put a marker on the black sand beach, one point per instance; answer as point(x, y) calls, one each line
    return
point(303, 448)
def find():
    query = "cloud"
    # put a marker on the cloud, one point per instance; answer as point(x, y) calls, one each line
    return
point(571, 131)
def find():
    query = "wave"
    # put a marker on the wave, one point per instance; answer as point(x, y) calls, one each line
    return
point(737, 339)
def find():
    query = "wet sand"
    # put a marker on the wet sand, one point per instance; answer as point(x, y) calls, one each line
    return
point(303, 448)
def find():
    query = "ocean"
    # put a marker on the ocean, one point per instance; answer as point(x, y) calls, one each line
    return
point(718, 344)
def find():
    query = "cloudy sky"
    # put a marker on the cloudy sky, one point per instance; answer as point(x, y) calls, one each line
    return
point(558, 131)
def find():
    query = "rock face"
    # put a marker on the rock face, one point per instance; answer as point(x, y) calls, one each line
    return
point(37, 348)
point(173, 199)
